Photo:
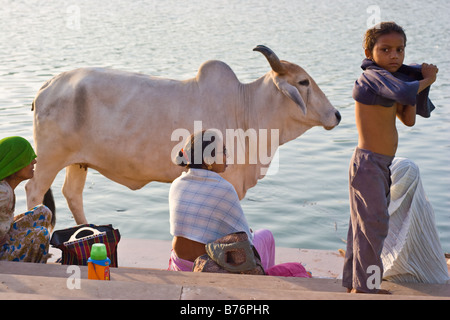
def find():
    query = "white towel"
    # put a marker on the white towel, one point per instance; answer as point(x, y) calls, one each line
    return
point(205, 207)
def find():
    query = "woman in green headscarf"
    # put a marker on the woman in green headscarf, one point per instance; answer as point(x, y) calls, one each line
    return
point(24, 237)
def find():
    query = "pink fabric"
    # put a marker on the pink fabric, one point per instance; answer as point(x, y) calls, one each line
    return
point(265, 245)
point(178, 264)
point(289, 269)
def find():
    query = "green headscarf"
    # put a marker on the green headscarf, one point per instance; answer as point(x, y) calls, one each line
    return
point(15, 154)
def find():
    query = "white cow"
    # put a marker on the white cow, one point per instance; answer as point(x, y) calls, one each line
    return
point(121, 123)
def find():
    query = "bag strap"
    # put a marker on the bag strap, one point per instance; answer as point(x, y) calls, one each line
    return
point(74, 238)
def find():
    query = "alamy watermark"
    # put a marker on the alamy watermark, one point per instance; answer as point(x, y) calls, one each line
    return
point(374, 18)
point(73, 17)
point(74, 279)
point(374, 280)
point(243, 147)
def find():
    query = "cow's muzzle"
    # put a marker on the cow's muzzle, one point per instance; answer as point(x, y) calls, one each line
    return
point(338, 120)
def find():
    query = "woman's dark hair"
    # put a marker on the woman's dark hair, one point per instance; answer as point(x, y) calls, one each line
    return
point(187, 156)
point(372, 35)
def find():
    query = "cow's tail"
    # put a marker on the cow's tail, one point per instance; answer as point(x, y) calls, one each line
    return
point(49, 202)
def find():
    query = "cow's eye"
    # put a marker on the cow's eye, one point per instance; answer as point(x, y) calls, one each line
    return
point(304, 82)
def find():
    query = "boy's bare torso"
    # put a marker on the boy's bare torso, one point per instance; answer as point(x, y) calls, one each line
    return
point(376, 128)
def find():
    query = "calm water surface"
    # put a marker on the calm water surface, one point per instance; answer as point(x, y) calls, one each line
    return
point(306, 203)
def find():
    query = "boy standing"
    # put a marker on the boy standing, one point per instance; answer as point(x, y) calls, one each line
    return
point(381, 95)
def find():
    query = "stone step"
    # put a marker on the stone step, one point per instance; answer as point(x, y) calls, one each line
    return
point(54, 281)
point(142, 275)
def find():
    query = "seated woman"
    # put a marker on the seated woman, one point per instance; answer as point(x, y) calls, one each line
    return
point(24, 237)
point(205, 207)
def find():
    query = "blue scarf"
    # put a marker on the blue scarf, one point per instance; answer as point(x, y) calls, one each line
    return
point(377, 86)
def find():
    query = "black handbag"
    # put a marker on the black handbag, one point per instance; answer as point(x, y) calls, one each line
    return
point(76, 242)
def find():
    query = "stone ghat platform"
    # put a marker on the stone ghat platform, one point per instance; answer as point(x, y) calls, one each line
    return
point(142, 276)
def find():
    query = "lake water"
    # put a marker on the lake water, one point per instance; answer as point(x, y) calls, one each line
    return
point(306, 203)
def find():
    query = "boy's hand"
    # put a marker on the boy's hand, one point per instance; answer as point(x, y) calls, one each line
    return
point(429, 72)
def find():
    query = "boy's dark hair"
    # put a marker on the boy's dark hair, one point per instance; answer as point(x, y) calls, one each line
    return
point(372, 35)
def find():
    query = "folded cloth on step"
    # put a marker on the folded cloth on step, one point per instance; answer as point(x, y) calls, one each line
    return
point(377, 86)
point(288, 269)
point(412, 251)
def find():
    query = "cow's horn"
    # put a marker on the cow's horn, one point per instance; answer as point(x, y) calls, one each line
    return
point(275, 63)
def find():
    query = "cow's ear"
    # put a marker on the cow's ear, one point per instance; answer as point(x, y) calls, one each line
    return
point(291, 92)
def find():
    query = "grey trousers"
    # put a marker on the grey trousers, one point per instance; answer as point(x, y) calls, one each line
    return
point(369, 186)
